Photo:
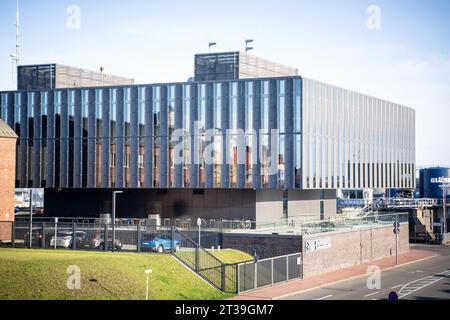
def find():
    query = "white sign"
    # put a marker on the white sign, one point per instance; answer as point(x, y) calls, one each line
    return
point(440, 180)
point(319, 244)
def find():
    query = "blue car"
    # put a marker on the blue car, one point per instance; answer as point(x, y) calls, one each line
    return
point(160, 244)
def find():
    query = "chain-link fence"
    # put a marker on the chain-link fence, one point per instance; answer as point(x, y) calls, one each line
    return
point(90, 235)
point(267, 272)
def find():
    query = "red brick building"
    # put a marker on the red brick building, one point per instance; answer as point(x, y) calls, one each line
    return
point(8, 140)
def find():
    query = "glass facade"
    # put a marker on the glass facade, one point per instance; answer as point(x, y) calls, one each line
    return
point(122, 137)
point(355, 141)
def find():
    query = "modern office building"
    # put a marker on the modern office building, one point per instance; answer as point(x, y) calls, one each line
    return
point(55, 76)
point(82, 143)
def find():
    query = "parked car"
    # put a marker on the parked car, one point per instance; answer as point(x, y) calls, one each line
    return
point(160, 244)
point(64, 239)
point(96, 241)
point(36, 238)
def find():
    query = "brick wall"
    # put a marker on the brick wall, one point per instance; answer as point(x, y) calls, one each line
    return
point(5, 231)
point(354, 247)
point(267, 245)
point(7, 178)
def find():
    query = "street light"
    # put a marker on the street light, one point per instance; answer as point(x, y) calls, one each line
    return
point(31, 218)
point(113, 220)
point(147, 272)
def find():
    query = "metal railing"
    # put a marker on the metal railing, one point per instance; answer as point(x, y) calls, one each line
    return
point(267, 272)
point(221, 275)
point(334, 224)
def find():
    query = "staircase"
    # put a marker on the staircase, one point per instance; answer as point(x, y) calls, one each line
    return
point(423, 227)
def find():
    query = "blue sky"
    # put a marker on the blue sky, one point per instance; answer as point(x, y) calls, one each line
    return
point(406, 61)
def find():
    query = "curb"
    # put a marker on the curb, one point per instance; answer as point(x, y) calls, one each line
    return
point(353, 278)
point(281, 297)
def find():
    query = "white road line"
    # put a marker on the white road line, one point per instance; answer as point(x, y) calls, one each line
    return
point(323, 298)
point(412, 286)
point(371, 294)
point(400, 285)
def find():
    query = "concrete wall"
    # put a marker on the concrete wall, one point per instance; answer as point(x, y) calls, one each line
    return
point(269, 206)
point(7, 178)
point(351, 248)
point(307, 203)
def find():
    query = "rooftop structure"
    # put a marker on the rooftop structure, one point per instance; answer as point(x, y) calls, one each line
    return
point(55, 76)
point(237, 65)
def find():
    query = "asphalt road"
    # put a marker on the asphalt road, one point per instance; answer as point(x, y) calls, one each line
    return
point(424, 280)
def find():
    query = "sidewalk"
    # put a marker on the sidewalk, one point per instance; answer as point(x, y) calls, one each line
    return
point(302, 285)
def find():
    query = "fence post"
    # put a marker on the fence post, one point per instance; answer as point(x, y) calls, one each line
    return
point(138, 238)
point(13, 234)
point(74, 235)
point(105, 240)
point(172, 235)
point(271, 272)
point(287, 268)
point(255, 284)
point(238, 289)
point(223, 277)
point(43, 235)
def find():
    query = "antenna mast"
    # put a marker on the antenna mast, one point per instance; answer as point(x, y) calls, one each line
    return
point(15, 57)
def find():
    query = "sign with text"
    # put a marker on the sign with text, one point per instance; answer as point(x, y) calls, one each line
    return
point(319, 244)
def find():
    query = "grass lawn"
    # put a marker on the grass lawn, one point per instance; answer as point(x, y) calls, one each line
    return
point(231, 256)
point(42, 275)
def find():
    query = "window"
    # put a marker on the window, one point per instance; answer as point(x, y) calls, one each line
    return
point(141, 161)
point(126, 160)
point(112, 160)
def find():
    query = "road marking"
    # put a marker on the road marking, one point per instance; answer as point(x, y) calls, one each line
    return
point(359, 276)
point(400, 285)
point(371, 294)
point(323, 298)
point(418, 284)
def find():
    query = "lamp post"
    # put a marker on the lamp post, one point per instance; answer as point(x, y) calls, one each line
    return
point(56, 230)
point(147, 272)
point(31, 219)
point(115, 193)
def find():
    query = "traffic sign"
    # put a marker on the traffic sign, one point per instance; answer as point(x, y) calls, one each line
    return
point(393, 296)
point(396, 224)
point(396, 230)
